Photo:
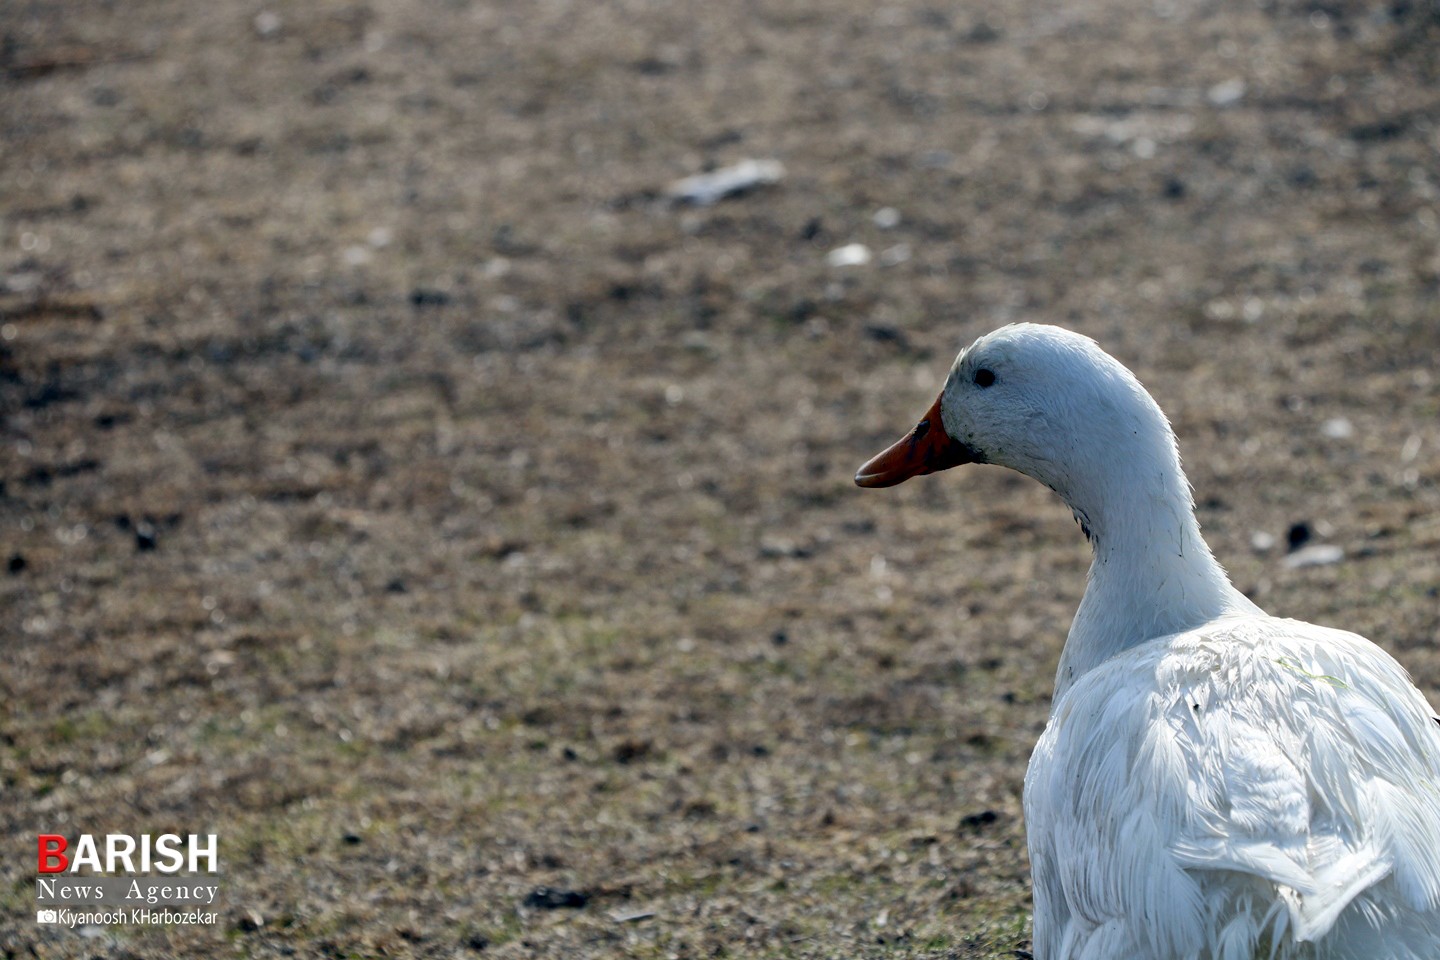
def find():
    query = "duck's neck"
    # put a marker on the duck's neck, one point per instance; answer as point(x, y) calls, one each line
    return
point(1152, 573)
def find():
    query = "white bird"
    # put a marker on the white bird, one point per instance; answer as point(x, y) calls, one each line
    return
point(1213, 783)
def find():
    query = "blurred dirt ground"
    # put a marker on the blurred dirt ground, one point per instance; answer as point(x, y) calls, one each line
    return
point(396, 484)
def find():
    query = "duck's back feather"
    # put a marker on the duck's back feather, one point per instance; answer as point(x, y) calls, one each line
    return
point(1256, 787)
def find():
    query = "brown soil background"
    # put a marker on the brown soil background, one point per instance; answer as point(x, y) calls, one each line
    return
point(393, 482)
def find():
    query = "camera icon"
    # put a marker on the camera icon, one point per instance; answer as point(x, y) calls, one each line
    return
point(47, 916)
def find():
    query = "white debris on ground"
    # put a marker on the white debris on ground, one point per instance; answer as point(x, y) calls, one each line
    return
point(704, 189)
point(1226, 93)
point(1338, 428)
point(1315, 555)
point(850, 255)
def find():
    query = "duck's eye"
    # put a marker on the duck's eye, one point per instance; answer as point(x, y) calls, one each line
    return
point(984, 378)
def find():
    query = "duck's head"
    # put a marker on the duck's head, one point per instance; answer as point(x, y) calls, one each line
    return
point(1041, 400)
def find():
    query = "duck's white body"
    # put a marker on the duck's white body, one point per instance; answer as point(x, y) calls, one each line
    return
point(1251, 788)
point(1214, 783)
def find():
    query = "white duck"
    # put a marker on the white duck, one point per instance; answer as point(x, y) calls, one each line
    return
point(1214, 783)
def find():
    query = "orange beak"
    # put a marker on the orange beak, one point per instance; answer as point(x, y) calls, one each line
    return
point(925, 449)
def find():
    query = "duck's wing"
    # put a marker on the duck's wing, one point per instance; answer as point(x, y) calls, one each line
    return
point(1227, 785)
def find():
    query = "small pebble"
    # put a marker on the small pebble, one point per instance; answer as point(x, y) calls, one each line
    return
point(421, 297)
point(974, 821)
point(1337, 428)
point(267, 23)
point(850, 255)
point(1298, 535)
point(548, 898)
point(1227, 92)
point(145, 539)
